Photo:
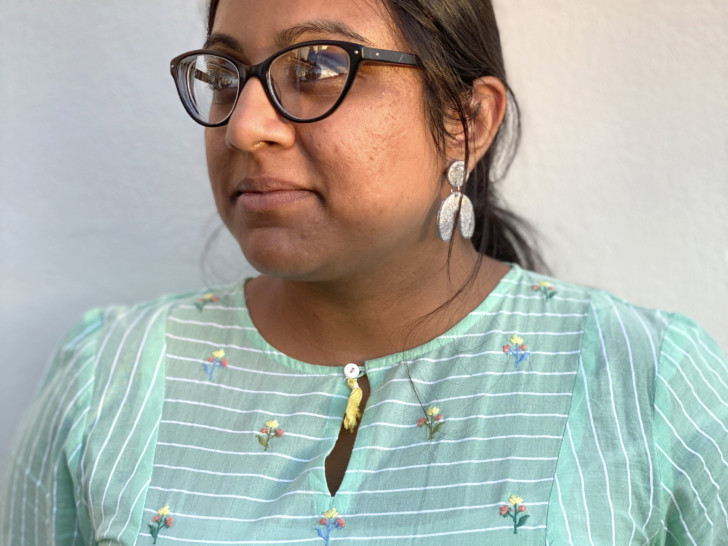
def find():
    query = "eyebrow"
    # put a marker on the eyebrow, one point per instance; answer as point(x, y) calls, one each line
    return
point(324, 26)
point(289, 35)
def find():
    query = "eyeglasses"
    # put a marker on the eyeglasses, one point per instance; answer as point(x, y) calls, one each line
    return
point(304, 82)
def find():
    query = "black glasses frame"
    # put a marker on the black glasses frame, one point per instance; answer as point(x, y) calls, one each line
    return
point(357, 55)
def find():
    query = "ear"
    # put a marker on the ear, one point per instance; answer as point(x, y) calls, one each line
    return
point(488, 106)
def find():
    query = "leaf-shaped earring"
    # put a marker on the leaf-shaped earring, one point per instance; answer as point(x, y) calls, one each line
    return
point(457, 204)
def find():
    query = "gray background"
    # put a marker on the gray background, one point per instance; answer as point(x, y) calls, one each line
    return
point(103, 189)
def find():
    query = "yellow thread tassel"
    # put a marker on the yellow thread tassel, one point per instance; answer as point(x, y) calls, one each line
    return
point(352, 414)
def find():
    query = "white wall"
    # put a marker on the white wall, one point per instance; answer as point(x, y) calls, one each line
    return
point(104, 198)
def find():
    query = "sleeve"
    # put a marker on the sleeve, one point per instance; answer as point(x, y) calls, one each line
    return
point(691, 436)
point(39, 492)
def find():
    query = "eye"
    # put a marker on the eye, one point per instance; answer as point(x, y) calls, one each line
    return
point(220, 78)
point(314, 65)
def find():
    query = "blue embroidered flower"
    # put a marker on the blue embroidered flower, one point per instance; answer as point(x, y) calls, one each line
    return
point(517, 348)
point(330, 522)
point(217, 360)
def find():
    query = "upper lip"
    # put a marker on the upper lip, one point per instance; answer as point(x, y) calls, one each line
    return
point(264, 184)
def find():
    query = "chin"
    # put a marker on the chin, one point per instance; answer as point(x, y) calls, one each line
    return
point(280, 258)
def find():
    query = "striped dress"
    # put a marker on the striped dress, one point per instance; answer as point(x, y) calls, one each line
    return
point(551, 414)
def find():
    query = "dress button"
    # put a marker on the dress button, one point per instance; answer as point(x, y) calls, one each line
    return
point(351, 371)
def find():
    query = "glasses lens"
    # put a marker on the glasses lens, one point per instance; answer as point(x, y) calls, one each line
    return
point(308, 81)
point(209, 86)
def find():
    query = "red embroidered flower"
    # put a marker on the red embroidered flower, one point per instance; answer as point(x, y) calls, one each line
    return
point(210, 359)
point(340, 523)
point(268, 432)
point(323, 521)
point(514, 510)
point(534, 287)
point(163, 520)
point(420, 421)
point(439, 417)
point(224, 363)
point(523, 347)
point(506, 349)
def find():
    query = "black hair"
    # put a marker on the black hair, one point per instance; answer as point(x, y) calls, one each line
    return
point(457, 42)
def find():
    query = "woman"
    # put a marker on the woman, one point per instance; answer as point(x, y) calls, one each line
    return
point(382, 380)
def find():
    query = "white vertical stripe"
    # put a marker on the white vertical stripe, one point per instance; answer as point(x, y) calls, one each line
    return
point(607, 367)
point(679, 513)
point(655, 362)
point(130, 435)
point(109, 382)
point(638, 412)
point(100, 351)
point(599, 449)
point(563, 509)
point(44, 416)
point(581, 477)
point(78, 420)
point(128, 519)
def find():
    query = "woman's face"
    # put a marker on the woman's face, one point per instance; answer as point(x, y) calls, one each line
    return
point(340, 197)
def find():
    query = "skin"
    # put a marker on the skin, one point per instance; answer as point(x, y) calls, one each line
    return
point(339, 215)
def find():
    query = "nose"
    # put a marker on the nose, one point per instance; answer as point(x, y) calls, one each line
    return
point(255, 121)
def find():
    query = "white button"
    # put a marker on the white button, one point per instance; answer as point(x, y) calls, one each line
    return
point(351, 371)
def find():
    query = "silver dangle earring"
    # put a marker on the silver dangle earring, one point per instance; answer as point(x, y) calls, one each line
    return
point(457, 204)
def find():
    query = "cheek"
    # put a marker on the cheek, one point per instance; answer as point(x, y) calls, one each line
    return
point(218, 164)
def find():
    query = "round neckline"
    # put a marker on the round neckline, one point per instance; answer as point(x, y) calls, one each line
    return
point(504, 285)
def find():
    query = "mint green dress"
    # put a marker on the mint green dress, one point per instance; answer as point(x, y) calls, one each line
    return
point(551, 414)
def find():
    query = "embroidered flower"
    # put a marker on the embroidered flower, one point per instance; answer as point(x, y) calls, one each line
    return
point(203, 300)
point(217, 360)
point(514, 509)
point(162, 520)
point(432, 420)
point(546, 289)
point(330, 522)
point(271, 430)
point(517, 348)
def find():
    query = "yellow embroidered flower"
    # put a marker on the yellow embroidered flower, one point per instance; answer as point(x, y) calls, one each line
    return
point(272, 424)
point(432, 410)
point(163, 511)
point(514, 500)
point(330, 514)
point(545, 284)
point(515, 340)
point(218, 354)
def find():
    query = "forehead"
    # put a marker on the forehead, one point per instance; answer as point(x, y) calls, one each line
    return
point(262, 26)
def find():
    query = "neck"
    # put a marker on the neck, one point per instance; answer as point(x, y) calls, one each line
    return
point(357, 319)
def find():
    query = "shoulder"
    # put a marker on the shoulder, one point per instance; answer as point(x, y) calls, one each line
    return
point(617, 333)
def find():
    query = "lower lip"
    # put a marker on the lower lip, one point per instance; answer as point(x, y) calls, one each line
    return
point(255, 201)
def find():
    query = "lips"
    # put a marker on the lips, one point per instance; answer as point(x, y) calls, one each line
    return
point(261, 194)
